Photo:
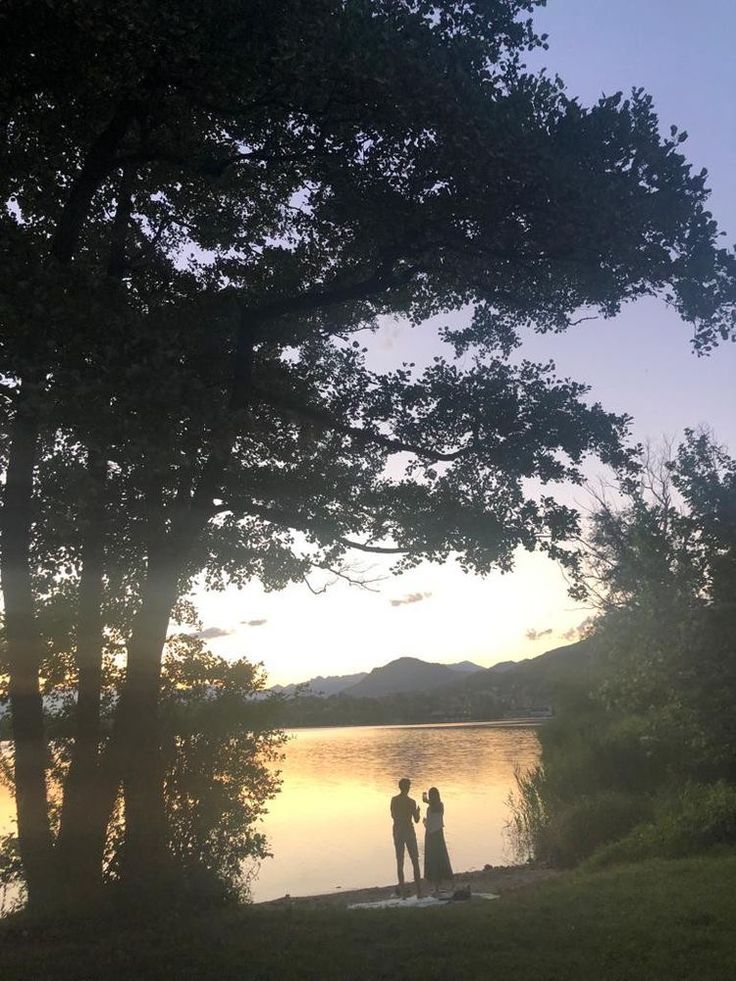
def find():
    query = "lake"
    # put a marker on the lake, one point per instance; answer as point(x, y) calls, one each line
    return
point(330, 829)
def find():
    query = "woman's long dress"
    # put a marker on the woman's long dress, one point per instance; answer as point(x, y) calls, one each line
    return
point(437, 866)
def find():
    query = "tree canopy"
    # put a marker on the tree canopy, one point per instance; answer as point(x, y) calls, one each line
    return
point(207, 210)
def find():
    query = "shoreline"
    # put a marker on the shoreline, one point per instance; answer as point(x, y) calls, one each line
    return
point(531, 722)
point(500, 879)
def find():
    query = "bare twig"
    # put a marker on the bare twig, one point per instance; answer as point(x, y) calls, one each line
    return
point(353, 576)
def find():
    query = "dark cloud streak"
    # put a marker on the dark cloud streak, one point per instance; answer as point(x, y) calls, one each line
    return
point(537, 634)
point(410, 598)
point(209, 633)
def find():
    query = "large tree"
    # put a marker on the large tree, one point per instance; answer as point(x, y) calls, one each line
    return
point(205, 205)
point(661, 567)
point(649, 735)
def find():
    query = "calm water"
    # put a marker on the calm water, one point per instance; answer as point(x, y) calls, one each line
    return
point(329, 828)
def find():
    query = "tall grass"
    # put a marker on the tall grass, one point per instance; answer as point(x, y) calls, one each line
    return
point(562, 833)
point(528, 813)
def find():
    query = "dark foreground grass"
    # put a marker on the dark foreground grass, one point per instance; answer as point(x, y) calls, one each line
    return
point(663, 920)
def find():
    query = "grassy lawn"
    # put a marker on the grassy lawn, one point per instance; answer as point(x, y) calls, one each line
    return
point(658, 920)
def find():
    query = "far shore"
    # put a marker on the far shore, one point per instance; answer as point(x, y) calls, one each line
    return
point(500, 879)
point(515, 723)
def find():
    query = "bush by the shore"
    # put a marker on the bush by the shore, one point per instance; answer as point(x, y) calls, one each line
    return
point(700, 818)
point(578, 830)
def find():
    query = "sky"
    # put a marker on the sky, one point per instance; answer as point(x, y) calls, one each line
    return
point(640, 363)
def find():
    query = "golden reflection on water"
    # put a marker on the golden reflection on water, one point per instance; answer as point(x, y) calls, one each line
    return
point(330, 828)
point(7, 810)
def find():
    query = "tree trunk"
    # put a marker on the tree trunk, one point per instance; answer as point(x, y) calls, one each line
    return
point(145, 861)
point(24, 642)
point(86, 808)
point(145, 856)
point(24, 652)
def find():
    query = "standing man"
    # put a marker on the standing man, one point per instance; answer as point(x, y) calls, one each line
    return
point(405, 814)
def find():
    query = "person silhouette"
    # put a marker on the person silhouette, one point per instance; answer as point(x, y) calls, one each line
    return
point(437, 868)
point(405, 814)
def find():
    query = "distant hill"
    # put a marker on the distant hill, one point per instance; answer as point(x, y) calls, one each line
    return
point(554, 664)
point(409, 674)
point(323, 686)
point(517, 684)
point(466, 666)
point(412, 678)
point(411, 691)
point(540, 680)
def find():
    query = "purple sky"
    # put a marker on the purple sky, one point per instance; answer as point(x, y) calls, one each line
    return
point(682, 53)
point(641, 363)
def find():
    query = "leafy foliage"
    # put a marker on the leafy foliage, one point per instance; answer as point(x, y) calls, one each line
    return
point(306, 209)
point(220, 751)
point(204, 206)
point(700, 817)
point(662, 568)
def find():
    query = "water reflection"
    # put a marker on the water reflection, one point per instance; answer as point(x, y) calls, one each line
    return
point(7, 810)
point(330, 825)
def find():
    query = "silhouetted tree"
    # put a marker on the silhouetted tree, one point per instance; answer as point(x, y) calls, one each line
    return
point(220, 756)
point(662, 569)
point(204, 207)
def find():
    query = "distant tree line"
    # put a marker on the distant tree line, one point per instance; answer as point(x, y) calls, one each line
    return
point(414, 707)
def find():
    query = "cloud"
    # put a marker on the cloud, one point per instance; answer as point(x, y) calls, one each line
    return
point(410, 598)
point(211, 632)
point(254, 623)
point(580, 632)
point(536, 634)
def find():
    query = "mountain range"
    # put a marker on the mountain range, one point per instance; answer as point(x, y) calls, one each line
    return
point(405, 674)
point(411, 691)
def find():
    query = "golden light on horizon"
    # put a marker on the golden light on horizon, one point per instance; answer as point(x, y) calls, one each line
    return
point(436, 613)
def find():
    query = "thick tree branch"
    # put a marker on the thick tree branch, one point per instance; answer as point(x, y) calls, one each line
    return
point(99, 162)
point(296, 522)
point(364, 437)
point(344, 290)
point(83, 821)
point(117, 263)
point(209, 168)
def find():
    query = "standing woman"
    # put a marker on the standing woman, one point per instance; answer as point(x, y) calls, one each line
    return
point(437, 868)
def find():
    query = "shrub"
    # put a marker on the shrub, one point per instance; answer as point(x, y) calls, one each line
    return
point(701, 817)
point(587, 753)
point(577, 830)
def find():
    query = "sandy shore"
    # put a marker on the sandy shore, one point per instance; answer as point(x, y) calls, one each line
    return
point(500, 879)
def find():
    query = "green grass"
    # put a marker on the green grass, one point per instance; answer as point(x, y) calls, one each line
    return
point(661, 919)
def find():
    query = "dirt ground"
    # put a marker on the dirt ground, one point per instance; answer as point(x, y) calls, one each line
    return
point(499, 879)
